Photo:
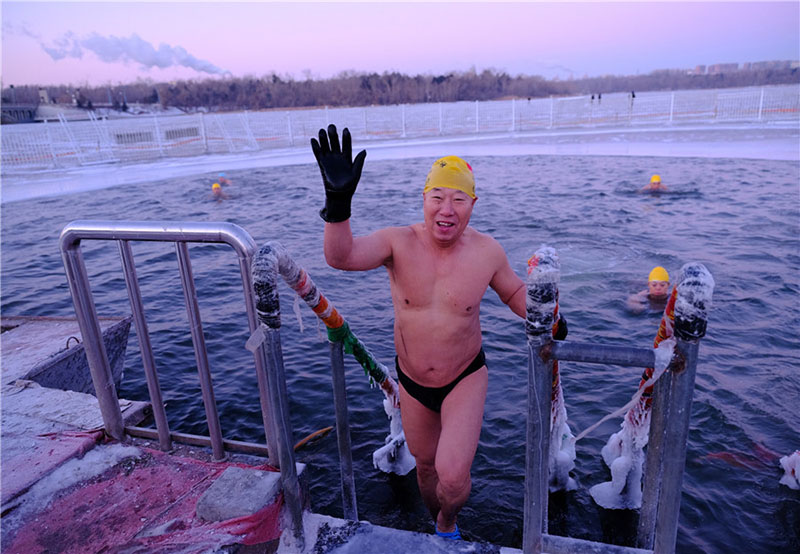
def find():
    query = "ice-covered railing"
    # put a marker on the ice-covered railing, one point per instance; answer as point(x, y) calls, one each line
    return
point(149, 137)
point(670, 380)
point(393, 457)
point(542, 318)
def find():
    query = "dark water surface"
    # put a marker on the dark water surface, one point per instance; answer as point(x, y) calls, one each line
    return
point(741, 218)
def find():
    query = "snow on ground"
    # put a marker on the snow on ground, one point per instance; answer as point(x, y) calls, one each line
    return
point(772, 141)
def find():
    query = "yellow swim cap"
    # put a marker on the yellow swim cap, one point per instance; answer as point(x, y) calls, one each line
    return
point(655, 179)
point(659, 274)
point(451, 172)
point(215, 186)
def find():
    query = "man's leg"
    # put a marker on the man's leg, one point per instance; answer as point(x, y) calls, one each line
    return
point(461, 420)
point(422, 426)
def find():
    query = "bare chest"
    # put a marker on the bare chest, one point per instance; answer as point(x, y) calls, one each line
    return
point(454, 284)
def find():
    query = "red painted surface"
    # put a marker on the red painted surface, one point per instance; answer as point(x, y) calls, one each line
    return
point(46, 452)
point(141, 506)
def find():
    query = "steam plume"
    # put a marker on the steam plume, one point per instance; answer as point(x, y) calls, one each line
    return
point(133, 48)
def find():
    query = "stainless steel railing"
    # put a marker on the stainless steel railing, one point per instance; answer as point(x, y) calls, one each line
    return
point(181, 233)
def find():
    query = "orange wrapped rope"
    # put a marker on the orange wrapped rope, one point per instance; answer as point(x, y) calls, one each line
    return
point(332, 320)
point(665, 331)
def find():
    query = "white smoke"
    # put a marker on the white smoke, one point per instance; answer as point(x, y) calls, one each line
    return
point(124, 49)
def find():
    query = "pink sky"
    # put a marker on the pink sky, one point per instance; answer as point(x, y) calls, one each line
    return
point(111, 42)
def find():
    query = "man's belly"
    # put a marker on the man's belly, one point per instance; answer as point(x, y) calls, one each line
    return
point(433, 351)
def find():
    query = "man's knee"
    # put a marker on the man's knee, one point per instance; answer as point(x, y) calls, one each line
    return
point(453, 478)
point(425, 468)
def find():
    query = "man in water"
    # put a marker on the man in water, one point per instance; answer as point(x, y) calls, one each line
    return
point(654, 185)
point(656, 294)
point(217, 192)
point(438, 271)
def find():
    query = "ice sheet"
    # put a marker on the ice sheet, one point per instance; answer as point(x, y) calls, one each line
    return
point(774, 141)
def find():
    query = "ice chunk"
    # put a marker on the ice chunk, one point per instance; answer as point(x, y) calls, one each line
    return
point(791, 465)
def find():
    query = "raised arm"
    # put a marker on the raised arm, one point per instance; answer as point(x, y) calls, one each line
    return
point(340, 175)
point(343, 251)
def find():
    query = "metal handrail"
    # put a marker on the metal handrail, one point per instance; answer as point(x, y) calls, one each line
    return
point(180, 233)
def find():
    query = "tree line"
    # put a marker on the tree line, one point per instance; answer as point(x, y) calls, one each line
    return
point(360, 89)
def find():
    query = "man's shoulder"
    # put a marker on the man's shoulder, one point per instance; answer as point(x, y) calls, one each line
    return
point(402, 232)
point(480, 239)
point(399, 236)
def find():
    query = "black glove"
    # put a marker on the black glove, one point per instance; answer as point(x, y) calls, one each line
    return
point(340, 172)
point(561, 328)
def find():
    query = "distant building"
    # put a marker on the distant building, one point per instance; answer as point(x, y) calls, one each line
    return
point(44, 98)
point(698, 70)
point(775, 64)
point(722, 68)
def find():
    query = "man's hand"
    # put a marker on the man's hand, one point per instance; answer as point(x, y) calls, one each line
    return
point(561, 328)
point(340, 172)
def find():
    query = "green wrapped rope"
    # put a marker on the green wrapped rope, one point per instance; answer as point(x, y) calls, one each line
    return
point(352, 345)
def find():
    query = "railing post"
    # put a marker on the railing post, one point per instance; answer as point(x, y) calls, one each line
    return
point(50, 143)
point(200, 351)
point(148, 361)
point(552, 107)
point(158, 134)
point(249, 131)
point(349, 505)
point(761, 104)
point(669, 423)
point(204, 131)
point(542, 293)
point(513, 115)
point(93, 342)
point(403, 118)
point(289, 123)
point(671, 106)
point(477, 117)
point(265, 287)
point(441, 118)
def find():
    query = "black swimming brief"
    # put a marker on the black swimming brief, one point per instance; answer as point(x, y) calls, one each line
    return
point(432, 397)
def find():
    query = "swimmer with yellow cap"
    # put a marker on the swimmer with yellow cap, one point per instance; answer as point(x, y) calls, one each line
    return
point(655, 295)
point(658, 283)
point(216, 191)
point(655, 185)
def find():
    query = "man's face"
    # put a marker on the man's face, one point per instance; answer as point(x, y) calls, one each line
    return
point(658, 288)
point(447, 213)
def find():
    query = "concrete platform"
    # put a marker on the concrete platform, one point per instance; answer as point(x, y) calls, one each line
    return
point(67, 488)
point(48, 350)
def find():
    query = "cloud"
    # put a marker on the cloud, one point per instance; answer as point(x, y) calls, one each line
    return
point(11, 28)
point(112, 49)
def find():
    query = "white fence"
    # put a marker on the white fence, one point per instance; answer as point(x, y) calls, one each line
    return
point(146, 137)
